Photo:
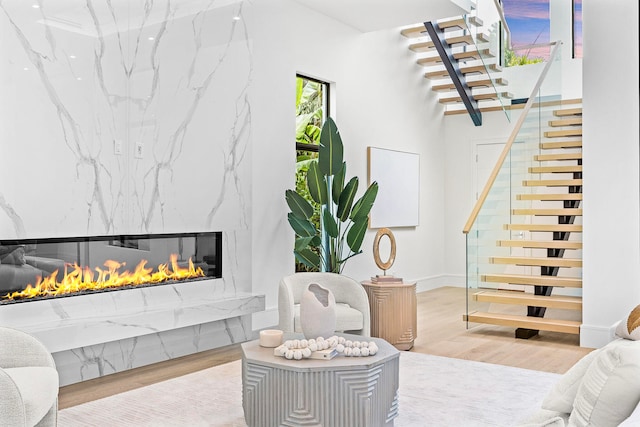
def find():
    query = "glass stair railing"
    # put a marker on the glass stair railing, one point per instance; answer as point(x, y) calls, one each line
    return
point(506, 251)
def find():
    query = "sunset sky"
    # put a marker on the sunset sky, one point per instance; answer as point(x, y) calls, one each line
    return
point(529, 22)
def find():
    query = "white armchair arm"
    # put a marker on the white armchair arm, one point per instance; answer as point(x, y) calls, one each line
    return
point(19, 349)
point(28, 381)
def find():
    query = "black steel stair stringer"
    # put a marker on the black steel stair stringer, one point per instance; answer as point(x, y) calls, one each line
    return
point(459, 81)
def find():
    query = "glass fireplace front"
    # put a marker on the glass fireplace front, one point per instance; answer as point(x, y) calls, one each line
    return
point(32, 269)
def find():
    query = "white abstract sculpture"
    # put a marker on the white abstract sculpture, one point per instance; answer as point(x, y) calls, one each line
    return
point(317, 312)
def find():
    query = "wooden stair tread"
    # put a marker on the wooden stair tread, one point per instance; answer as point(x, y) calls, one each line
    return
point(548, 212)
point(577, 121)
point(563, 133)
point(478, 97)
point(568, 112)
point(524, 298)
point(561, 144)
point(519, 279)
point(472, 84)
point(539, 323)
point(559, 156)
point(549, 197)
point(567, 228)
point(458, 56)
point(534, 261)
point(501, 108)
point(473, 69)
point(540, 244)
point(460, 23)
point(418, 30)
point(552, 182)
point(466, 40)
point(555, 169)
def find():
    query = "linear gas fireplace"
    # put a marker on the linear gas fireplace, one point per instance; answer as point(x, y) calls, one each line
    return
point(36, 269)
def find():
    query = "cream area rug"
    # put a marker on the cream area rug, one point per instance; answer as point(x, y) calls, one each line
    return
point(434, 391)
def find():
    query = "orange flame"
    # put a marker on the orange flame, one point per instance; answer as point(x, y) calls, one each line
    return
point(77, 279)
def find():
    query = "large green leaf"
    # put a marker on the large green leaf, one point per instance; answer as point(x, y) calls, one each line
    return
point(346, 198)
point(363, 206)
point(303, 242)
point(302, 227)
point(308, 258)
point(330, 226)
point(317, 184)
point(298, 205)
point(356, 233)
point(330, 151)
point(338, 183)
point(315, 242)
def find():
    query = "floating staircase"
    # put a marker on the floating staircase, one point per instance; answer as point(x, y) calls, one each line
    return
point(539, 286)
point(461, 64)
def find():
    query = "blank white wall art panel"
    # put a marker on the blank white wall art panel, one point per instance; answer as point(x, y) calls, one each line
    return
point(398, 176)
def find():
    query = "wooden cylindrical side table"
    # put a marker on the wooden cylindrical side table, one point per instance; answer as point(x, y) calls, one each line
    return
point(393, 312)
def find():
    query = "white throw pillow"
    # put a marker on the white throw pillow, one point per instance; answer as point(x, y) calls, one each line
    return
point(610, 389)
point(564, 392)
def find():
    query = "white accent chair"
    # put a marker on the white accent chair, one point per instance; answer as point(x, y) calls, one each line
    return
point(28, 381)
point(352, 303)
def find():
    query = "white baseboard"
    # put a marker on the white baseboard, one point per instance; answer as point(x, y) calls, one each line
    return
point(433, 282)
point(596, 336)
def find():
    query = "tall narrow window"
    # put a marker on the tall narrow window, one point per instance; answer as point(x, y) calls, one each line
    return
point(577, 28)
point(312, 108)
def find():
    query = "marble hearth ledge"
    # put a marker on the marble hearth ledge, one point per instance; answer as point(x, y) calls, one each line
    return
point(87, 320)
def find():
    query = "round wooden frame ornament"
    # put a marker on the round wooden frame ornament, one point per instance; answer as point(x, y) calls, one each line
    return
point(384, 266)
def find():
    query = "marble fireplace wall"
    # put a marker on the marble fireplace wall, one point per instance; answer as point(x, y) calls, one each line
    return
point(130, 116)
point(123, 117)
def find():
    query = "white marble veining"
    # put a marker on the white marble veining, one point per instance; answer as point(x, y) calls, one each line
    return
point(94, 361)
point(124, 116)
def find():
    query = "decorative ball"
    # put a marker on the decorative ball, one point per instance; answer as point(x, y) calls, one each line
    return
point(313, 347)
point(348, 343)
point(289, 354)
point(356, 351)
point(304, 343)
point(297, 354)
point(341, 340)
point(296, 343)
point(364, 344)
point(357, 344)
point(340, 348)
point(348, 351)
point(306, 352)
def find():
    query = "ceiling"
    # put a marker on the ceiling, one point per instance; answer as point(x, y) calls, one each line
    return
point(373, 15)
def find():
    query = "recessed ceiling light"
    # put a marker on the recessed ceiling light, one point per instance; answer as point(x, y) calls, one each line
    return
point(78, 78)
point(35, 6)
point(151, 38)
point(72, 56)
point(236, 18)
point(26, 68)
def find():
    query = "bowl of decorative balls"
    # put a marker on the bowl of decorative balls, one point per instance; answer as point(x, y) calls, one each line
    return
point(321, 348)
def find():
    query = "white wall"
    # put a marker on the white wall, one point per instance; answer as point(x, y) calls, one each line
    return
point(381, 100)
point(611, 254)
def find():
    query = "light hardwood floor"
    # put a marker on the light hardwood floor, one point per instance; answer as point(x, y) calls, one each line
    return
point(441, 332)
